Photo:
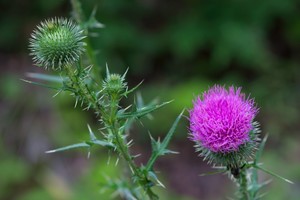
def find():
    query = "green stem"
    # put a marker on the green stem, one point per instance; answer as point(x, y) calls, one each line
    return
point(123, 149)
point(112, 123)
point(243, 185)
point(83, 90)
point(141, 178)
point(80, 19)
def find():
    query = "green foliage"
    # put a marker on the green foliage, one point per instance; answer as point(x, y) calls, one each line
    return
point(168, 44)
point(103, 99)
point(160, 148)
point(87, 144)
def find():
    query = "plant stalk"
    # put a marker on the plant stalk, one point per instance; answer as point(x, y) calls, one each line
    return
point(111, 121)
point(123, 149)
point(243, 185)
point(80, 19)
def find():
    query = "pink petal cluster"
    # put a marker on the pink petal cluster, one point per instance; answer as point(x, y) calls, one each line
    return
point(222, 119)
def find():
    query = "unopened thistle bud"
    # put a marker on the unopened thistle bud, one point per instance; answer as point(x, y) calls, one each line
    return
point(56, 43)
point(114, 84)
point(221, 125)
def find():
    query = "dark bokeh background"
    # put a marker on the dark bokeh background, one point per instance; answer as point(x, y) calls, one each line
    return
point(179, 48)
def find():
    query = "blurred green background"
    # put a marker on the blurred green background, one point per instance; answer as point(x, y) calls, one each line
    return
point(179, 48)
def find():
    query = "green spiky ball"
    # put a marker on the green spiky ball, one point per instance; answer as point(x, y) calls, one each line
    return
point(114, 84)
point(56, 42)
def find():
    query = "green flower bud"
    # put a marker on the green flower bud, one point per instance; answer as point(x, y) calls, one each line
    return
point(56, 43)
point(114, 84)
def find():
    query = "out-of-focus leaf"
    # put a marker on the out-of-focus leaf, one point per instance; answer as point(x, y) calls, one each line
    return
point(46, 77)
point(260, 150)
point(42, 85)
point(273, 174)
point(153, 177)
point(93, 22)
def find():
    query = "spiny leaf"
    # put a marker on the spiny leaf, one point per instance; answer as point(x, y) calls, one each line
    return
point(102, 143)
point(86, 144)
point(161, 148)
point(273, 174)
point(73, 146)
point(140, 112)
point(46, 77)
point(41, 84)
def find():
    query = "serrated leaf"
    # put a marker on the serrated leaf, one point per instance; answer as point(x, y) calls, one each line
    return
point(161, 148)
point(140, 112)
point(73, 146)
point(273, 174)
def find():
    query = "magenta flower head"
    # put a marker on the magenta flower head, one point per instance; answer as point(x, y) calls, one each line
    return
point(222, 126)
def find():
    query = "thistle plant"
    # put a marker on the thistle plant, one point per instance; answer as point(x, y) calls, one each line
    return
point(60, 44)
point(222, 121)
point(223, 128)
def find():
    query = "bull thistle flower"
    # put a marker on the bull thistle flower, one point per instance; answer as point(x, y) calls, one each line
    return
point(222, 126)
point(56, 43)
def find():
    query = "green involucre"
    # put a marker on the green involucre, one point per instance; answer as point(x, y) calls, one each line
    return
point(56, 43)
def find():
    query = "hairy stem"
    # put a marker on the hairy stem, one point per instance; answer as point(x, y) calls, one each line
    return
point(113, 127)
point(84, 91)
point(243, 185)
point(141, 179)
point(123, 149)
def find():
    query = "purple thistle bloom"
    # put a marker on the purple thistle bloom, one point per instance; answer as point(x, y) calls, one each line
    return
point(221, 121)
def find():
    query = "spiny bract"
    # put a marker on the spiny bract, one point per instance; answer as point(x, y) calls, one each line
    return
point(56, 42)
